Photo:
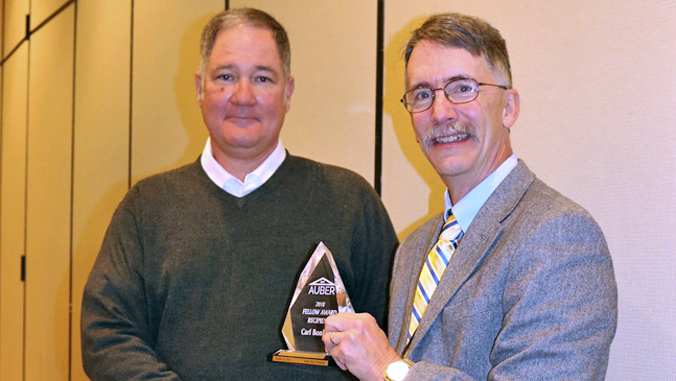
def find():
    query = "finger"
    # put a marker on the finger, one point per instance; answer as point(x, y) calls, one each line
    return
point(335, 353)
point(332, 323)
point(329, 340)
point(333, 339)
point(341, 365)
point(349, 321)
point(342, 321)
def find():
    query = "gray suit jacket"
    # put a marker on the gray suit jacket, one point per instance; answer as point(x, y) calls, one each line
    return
point(529, 294)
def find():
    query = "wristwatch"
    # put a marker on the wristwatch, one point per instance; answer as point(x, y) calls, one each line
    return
point(398, 370)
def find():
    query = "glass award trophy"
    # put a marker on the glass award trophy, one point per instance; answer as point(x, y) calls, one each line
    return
point(320, 292)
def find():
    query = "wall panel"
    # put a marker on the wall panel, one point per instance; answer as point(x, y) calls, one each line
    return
point(15, 23)
point(2, 22)
point(12, 214)
point(412, 190)
point(41, 9)
point(167, 126)
point(49, 199)
point(101, 144)
point(333, 60)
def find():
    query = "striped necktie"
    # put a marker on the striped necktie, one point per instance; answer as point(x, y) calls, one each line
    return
point(433, 269)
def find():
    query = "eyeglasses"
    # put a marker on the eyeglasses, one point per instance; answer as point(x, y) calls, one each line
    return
point(461, 90)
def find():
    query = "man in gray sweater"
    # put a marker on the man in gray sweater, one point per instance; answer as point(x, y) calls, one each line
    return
point(198, 265)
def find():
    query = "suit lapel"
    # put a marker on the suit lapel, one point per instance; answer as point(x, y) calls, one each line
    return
point(475, 246)
point(422, 251)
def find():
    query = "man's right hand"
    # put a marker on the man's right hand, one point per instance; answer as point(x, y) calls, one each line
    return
point(358, 345)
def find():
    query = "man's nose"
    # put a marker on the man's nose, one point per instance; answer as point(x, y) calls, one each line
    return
point(443, 109)
point(243, 93)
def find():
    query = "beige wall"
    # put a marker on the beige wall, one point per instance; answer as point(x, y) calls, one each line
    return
point(101, 131)
point(48, 198)
point(14, 23)
point(103, 96)
point(13, 213)
point(167, 128)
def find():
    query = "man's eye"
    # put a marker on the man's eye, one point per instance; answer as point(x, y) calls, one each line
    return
point(264, 80)
point(461, 87)
point(225, 77)
point(421, 95)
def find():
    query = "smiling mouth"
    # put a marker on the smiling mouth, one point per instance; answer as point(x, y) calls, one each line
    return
point(452, 133)
point(450, 139)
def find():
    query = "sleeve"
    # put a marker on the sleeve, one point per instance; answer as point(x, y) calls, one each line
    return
point(373, 246)
point(117, 337)
point(559, 308)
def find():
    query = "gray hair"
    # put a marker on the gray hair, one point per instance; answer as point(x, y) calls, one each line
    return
point(470, 33)
point(249, 16)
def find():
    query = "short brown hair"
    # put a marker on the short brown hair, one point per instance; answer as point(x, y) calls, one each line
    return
point(470, 33)
point(249, 16)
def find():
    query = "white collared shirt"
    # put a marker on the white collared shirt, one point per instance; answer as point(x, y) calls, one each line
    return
point(252, 181)
point(467, 208)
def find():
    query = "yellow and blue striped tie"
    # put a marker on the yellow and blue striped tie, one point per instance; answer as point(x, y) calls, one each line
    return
point(433, 269)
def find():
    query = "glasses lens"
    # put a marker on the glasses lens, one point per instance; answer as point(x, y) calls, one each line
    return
point(462, 90)
point(418, 99)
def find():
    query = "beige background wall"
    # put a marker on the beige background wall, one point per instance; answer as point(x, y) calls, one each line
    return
point(102, 96)
point(12, 213)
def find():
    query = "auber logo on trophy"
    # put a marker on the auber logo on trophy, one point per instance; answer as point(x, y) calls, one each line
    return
point(320, 292)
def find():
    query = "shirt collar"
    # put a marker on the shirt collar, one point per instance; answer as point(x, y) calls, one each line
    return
point(252, 181)
point(467, 208)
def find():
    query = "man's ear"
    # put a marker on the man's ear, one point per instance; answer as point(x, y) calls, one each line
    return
point(510, 112)
point(288, 92)
point(198, 87)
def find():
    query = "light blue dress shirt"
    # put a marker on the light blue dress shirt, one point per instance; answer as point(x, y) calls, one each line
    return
point(467, 208)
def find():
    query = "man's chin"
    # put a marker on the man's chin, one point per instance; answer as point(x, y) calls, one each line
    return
point(455, 150)
point(449, 166)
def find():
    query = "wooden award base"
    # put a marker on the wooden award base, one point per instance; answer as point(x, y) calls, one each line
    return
point(307, 358)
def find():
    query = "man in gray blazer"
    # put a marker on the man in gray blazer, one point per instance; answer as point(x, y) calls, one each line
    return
point(523, 288)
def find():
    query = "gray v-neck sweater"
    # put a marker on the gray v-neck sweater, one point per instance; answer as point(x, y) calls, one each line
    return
point(193, 283)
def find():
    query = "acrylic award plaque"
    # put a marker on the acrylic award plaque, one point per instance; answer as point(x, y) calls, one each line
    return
point(320, 292)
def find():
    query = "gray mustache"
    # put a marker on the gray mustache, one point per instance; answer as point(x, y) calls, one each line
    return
point(445, 130)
